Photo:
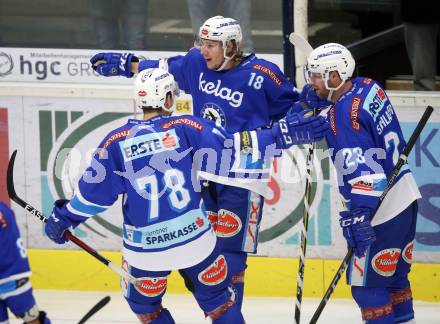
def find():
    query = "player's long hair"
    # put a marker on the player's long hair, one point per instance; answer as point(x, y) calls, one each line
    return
point(238, 52)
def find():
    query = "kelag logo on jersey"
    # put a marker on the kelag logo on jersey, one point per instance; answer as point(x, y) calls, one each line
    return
point(234, 98)
point(140, 146)
point(375, 101)
point(213, 112)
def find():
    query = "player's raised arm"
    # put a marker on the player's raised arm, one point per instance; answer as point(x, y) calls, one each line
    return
point(112, 64)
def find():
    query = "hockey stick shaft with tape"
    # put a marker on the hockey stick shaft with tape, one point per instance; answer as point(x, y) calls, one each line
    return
point(304, 227)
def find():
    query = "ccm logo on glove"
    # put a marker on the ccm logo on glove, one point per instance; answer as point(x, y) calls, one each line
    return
point(285, 131)
point(352, 221)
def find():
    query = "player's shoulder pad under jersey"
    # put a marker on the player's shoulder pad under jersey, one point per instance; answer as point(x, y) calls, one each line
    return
point(266, 68)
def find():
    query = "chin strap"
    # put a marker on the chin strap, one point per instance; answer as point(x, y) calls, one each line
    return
point(330, 94)
point(226, 60)
point(332, 90)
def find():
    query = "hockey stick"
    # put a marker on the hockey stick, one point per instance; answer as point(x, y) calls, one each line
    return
point(94, 309)
point(305, 48)
point(67, 234)
point(305, 225)
point(402, 160)
point(300, 42)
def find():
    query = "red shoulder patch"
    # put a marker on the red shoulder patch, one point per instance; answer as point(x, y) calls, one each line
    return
point(367, 80)
point(354, 113)
point(116, 136)
point(269, 72)
point(185, 121)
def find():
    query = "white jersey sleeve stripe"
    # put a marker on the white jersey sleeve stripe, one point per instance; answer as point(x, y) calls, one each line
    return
point(86, 202)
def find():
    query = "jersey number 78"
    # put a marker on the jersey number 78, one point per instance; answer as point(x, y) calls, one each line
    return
point(173, 181)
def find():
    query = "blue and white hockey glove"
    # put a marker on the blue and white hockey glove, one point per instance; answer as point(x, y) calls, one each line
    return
point(299, 128)
point(111, 64)
point(58, 223)
point(357, 229)
point(308, 99)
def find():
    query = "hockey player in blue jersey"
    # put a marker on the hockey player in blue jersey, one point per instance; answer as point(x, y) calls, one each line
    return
point(159, 163)
point(15, 287)
point(367, 140)
point(238, 92)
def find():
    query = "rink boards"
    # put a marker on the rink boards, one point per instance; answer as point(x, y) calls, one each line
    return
point(45, 120)
point(265, 276)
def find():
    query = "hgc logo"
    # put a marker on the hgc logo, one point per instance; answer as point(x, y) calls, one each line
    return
point(6, 64)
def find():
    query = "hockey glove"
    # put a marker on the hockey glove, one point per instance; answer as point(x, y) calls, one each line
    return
point(111, 64)
point(299, 128)
point(357, 229)
point(308, 99)
point(58, 223)
point(43, 318)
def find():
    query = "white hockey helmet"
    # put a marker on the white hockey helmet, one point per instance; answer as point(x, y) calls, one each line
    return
point(331, 57)
point(151, 88)
point(221, 29)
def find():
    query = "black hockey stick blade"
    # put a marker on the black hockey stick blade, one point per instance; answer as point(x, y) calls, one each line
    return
point(10, 176)
point(95, 309)
point(67, 234)
point(13, 195)
point(34, 211)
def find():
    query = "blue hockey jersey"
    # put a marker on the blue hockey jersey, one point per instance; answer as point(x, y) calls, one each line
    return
point(159, 164)
point(366, 142)
point(246, 97)
point(14, 263)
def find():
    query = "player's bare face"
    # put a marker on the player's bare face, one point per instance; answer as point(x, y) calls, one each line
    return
point(318, 84)
point(212, 52)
